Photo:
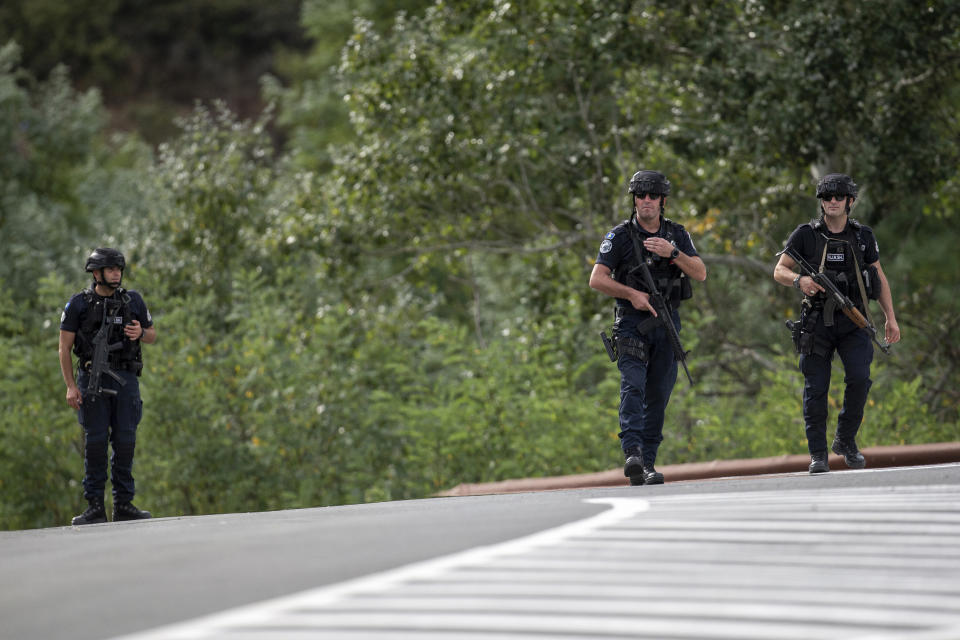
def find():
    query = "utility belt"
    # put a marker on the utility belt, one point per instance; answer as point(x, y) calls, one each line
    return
point(132, 366)
point(619, 344)
point(804, 330)
point(648, 324)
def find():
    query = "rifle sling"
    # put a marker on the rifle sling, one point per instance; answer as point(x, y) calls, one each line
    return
point(638, 255)
point(863, 289)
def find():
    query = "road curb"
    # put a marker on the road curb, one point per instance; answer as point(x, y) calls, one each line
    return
point(877, 457)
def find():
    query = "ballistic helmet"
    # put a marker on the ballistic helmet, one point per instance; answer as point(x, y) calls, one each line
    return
point(105, 257)
point(836, 184)
point(644, 181)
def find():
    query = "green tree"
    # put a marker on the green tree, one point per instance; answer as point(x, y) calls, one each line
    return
point(473, 138)
point(312, 111)
point(208, 191)
point(387, 311)
point(155, 60)
point(51, 148)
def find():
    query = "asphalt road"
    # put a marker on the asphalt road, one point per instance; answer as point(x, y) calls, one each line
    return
point(873, 553)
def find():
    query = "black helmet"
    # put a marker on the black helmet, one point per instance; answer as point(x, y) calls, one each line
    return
point(644, 181)
point(836, 184)
point(105, 257)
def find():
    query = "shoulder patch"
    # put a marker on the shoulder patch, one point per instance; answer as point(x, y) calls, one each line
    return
point(605, 246)
point(610, 236)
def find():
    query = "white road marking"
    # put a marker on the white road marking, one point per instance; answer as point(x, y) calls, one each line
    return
point(872, 564)
point(269, 610)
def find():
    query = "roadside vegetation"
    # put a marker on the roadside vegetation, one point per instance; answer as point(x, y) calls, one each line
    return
point(369, 277)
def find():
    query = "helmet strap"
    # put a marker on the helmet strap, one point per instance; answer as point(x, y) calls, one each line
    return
point(104, 283)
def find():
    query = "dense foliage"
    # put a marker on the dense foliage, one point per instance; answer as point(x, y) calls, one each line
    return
point(153, 60)
point(394, 300)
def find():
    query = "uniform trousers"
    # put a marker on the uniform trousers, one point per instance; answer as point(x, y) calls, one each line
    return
point(645, 386)
point(855, 348)
point(110, 419)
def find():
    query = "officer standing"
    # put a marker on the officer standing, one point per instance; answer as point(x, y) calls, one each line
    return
point(112, 415)
point(847, 252)
point(647, 363)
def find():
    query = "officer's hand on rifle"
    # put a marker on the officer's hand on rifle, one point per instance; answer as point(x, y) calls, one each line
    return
point(809, 286)
point(641, 302)
point(133, 331)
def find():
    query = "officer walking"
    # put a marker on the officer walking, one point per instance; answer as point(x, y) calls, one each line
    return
point(113, 414)
point(647, 363)
point(847, 252)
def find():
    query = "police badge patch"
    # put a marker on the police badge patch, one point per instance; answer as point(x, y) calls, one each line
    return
point(605, 246)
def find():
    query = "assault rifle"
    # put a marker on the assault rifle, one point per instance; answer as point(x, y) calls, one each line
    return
point(100, 362)
point(660, 305)
point(843, 303)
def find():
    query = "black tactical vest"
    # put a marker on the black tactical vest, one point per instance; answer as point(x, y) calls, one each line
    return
point(671, 281)
point(841, 257)
point(118, 312)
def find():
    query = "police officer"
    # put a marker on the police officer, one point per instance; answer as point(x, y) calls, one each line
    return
point(113, 415)
point(847, 252)
point(647, 363)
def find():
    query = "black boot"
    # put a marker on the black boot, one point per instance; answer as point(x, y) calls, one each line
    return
point(633, 467)
point(95, 513)
point(127, 511)
point(851, 455)
point(818, 462)
point(651, 475)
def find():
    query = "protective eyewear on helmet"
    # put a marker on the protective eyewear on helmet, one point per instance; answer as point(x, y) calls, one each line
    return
point(644, 195)
point(828, 197)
